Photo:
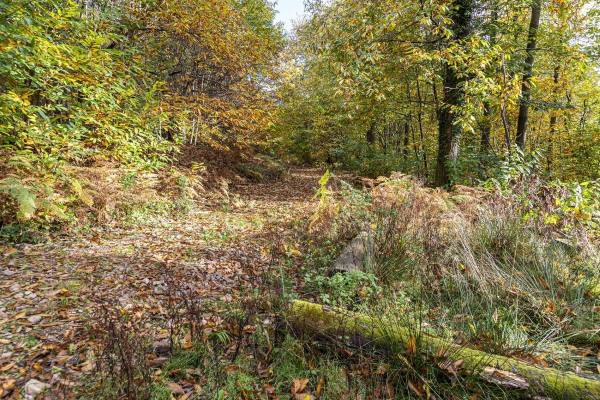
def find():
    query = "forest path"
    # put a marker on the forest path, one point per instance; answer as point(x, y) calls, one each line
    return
point(48, 290)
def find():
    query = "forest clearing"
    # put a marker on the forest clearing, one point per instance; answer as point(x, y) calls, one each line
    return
point(387, 199)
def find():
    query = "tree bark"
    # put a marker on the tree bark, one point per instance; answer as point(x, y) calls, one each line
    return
point(486, 126)
point(421, 133)
point(553, 118)
point(534, 23)
point(384, 333)
point(448, 130)
point(503, 114)
point(370, 136)
point(406, 140)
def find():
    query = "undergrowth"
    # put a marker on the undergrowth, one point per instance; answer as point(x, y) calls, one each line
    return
point(511, 268)
point(480, 268)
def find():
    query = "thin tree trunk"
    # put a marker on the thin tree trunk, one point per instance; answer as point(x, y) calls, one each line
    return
point(553, 118)
point(421, 133)
point(406, 140)
point(536, 9)
point(486, 127)
point(503, 114)
point(584, 114)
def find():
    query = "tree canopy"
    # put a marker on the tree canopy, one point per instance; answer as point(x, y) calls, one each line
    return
point(396, 84)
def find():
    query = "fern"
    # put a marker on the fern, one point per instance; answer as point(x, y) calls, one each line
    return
point(80, 193)
point(25, 199)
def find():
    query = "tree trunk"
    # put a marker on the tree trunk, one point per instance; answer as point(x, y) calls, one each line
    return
point(384, 333)
point(486, 128)
point(448, 130)
point(536, 9)
point(553, 118)
point(406, 140)
point(503, 102)
point(421, 133)
point(370, 136)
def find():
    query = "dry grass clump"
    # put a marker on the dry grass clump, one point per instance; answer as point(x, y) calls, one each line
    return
point(480, 267)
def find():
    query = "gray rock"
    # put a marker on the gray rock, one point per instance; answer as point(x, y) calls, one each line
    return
point(356, 254)
point(34, 319)
point(33, 388)
point(162, 347)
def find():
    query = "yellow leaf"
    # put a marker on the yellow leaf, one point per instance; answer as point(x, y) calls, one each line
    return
point(187, 341)
point(411, 345)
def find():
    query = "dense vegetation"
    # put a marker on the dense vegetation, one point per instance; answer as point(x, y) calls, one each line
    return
point(444, 89)
point(179, 177)
point(441, 90)
point(127, 82)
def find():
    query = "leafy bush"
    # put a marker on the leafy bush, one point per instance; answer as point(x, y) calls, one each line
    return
point(89, 84)
point(344, 289)
point(565, 206)
point(68, 97)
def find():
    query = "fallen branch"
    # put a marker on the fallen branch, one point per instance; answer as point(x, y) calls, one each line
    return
point(382, 332)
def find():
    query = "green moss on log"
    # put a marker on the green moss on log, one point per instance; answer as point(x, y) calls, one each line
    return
point(322, 319)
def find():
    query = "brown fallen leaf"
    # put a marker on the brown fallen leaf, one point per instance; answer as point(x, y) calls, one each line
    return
point(7, 386)
point(185, 396)
point(231, 368)
point(269, 390)
point(175, 388)
point(187, 341)
point(158, 361)
point(320, 386)
point(7, 367)
point(451, 367)
point(9, 251)
point(411, 345)
point(21, 315)
point(299, 385)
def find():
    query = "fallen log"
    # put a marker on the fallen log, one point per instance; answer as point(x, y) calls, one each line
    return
point(382, 332)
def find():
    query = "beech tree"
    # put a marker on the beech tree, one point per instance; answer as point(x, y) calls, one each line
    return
point(536, 9)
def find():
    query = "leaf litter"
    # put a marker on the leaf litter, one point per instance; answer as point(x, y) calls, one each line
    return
point(48, 291)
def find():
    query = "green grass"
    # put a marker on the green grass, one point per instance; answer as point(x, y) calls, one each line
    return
point(160, 392)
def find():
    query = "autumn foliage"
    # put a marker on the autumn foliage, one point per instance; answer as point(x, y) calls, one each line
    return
point(126, 82)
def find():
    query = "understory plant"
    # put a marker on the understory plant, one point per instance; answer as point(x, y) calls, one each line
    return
point(477, 267)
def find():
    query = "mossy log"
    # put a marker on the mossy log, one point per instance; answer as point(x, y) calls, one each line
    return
point(382, 332)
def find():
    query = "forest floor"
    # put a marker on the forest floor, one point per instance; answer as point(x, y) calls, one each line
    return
point(177, 297)
point(48, 291)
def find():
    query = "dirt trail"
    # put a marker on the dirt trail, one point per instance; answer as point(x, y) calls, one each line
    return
point(46, 290)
